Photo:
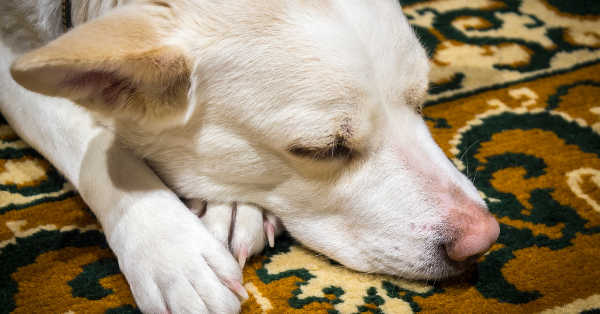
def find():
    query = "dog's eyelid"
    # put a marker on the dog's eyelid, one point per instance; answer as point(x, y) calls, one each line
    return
point(336, 150)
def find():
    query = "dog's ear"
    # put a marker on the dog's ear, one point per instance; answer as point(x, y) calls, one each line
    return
point(120, 65)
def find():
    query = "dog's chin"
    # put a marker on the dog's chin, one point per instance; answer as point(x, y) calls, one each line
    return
point(440, 274)
point(437, 271)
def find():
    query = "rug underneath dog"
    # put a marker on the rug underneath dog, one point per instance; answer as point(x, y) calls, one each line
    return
point(515, 105)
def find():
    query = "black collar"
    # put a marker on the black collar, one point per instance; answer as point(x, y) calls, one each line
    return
point(66, 14)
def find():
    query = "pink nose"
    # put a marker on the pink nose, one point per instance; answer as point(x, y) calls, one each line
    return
point(476, 233)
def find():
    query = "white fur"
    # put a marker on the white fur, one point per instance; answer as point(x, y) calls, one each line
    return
point(265, 76)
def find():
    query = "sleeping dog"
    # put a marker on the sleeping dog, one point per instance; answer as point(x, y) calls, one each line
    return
point(262, 114)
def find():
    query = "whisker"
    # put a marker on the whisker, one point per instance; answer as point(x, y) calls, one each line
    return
point(476, 170)
point(463, 155)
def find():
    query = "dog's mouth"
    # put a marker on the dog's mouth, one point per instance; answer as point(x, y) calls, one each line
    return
point(436, 265)
point(442, 267)
point(433, 264)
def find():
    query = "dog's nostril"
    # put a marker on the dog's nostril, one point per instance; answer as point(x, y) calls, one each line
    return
point(469, 254)
point(471, 260)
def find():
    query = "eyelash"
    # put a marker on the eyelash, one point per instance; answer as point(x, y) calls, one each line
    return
point(336, 151)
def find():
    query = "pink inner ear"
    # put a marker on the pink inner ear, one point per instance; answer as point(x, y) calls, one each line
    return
point(108, 86)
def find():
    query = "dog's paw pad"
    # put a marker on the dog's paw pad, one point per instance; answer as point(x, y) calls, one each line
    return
point(243, 228)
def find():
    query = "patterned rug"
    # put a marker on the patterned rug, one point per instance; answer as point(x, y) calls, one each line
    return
point(515, 103)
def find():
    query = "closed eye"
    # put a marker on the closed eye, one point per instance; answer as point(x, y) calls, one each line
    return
point(335, 151)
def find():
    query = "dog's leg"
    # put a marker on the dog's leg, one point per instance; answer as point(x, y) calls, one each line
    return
point(171, 261)
point(244, 228)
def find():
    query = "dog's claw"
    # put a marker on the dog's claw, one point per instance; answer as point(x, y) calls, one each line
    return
point(270, 228)
point(237, 287)
point(242, 256)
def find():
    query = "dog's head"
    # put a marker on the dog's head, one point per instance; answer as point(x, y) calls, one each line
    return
point(309, 108)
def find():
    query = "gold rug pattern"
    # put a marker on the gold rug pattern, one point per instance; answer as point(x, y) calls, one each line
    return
point(515, 104)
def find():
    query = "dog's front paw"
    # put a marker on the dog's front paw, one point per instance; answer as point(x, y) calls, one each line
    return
point(242, 227)
point(175, 265)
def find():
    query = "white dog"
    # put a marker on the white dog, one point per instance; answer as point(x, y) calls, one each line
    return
point(304, 112)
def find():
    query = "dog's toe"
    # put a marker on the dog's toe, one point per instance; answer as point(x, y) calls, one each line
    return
point(244, 228)
point(254, 227)
point(247, 234)
point(215, 216)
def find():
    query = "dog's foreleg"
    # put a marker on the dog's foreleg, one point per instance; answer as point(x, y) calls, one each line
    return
point(171, 261)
